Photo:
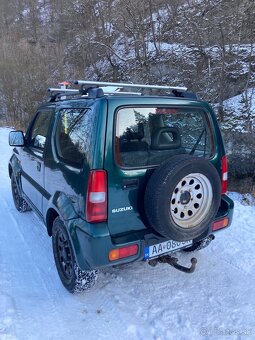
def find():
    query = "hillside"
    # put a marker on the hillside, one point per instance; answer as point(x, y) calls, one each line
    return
point(239, 136)
point(239, 112)
point(207, 46)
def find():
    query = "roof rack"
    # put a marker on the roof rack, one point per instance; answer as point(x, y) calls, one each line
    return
point(96, 89)
point(91, 92)
point(142, 86)
point(56, 90)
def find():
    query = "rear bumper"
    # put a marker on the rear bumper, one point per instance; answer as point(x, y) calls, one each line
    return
point(92, 243)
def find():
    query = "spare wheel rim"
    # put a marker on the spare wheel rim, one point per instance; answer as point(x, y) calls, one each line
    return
point(191, 200)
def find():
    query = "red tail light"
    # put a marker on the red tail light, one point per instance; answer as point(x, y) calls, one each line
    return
point(96, 202)
point(120, 253)
point(224, 174)
point(220, 224)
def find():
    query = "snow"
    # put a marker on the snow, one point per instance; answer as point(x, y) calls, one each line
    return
point(238, 113)
point(237, 102)
point(134, 301)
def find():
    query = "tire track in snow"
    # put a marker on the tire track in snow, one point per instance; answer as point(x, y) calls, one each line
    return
point(97, 299)
point(146, 298)
point(106, 298)
point(35, 276)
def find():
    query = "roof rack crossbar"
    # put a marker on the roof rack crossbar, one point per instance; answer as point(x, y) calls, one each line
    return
point(157, 87)
point(57, 90)
point(92, 93)
point(122, 92)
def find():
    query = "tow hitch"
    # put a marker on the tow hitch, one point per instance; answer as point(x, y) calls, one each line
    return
point(172, 261)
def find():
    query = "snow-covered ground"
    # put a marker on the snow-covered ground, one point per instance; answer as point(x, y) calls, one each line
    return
point(135, 301)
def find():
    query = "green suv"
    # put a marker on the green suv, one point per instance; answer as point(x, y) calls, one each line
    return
point(120, 176)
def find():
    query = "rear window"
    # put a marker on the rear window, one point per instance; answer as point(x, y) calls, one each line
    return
point(147, 136)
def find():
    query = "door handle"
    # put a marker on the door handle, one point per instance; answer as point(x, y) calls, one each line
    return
point(130, 184)
point(39, 165)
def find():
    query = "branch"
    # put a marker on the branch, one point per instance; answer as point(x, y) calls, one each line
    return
point(109, 48)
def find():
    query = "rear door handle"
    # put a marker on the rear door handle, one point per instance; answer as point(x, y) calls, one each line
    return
point(39, 165)
point(130, 183)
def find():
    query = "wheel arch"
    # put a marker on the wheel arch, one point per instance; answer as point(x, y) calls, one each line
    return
point(52, 214)
point(14, 166)
point(59, 205)
point(10, 170)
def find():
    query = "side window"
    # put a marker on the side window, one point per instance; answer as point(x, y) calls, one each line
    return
point(74, 135)
point(39, 130)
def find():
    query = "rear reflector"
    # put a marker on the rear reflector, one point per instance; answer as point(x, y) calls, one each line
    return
point(224, 174)
point(220, 224)
point(120, 253)
point(96, 202)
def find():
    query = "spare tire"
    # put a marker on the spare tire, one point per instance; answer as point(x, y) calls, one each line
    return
point(182, 197)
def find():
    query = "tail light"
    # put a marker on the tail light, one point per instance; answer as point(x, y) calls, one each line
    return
point(96, 202)
point(224, 174)
point(120, 253)
point(223, 223)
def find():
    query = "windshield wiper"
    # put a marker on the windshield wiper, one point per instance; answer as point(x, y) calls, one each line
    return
point(197, 142)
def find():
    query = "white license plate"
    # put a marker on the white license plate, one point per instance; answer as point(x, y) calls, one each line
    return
point(165, 247)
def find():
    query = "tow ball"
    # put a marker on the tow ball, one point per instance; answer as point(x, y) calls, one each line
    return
point(172, 261)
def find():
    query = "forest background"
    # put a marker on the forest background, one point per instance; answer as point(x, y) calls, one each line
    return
point(206, 45)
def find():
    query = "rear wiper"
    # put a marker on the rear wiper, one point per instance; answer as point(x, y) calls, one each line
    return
point(197, 142)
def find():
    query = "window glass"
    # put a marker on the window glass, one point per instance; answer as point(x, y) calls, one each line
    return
point(39, 130)
point(74, 135)
point(149, 135)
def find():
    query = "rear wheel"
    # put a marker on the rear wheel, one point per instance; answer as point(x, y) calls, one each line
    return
point(20, 204)
point(73, 278)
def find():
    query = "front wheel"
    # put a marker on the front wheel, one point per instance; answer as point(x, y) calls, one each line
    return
point(73, 278)
point(20, 204)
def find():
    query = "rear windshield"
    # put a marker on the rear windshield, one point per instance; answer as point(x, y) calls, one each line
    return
point(147, 136)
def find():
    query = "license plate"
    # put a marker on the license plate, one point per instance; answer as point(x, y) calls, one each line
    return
point(165, 247)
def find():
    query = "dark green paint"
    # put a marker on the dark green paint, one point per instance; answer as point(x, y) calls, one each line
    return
point(62, 188)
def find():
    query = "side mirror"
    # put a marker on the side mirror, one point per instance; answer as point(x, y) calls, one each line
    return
point(16, 138)
point(39, 141)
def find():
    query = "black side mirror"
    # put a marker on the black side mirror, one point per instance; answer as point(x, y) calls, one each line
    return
point(16, 138)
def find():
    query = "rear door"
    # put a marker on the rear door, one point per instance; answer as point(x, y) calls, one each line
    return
point(32, 158)
point(143, 137)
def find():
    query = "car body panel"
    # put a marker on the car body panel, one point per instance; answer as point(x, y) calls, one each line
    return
point(62, 188)
point(92, 245)
point(126, 187)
